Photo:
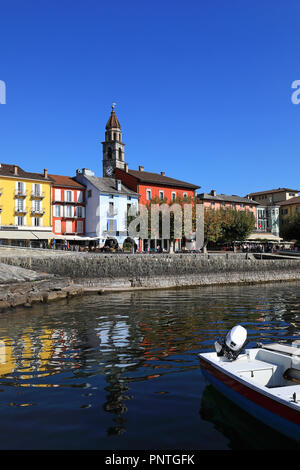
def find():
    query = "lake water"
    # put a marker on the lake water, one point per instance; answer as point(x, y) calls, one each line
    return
point(120, 371)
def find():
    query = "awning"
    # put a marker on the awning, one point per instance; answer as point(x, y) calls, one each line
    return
point(15, 235)
point(25, 235)
point(42, 235)
point(264, 236)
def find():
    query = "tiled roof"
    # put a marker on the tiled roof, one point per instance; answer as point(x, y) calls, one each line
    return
point(113, 122)
point(226, 198)
point(157, 178)
point(293, 200)
point(63, 181)
point(108, 186)
point(279, 190)
point(9, 171)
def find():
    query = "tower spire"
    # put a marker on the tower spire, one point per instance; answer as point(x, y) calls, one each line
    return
point(113, 147)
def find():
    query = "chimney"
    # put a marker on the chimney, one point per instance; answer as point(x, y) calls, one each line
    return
point(141, 168)
point(126, 167)
point(45, 173)
point(213, 192)
point(15, 170)
point(118, 185)
point(162, 173)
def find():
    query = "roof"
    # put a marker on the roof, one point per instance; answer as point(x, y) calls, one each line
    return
point(279, 190)
point(108, 186)
point(8, 170)
point(159, 179)
point(293, 200)
point(65, 181)
point(226, 198)
point(113, 121)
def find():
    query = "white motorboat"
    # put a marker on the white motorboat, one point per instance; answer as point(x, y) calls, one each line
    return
point(264, 381)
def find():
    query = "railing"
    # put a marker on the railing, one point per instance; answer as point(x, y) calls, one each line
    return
point(37, 194)
point(20, 210)
point(38, 211)
point(20, 193)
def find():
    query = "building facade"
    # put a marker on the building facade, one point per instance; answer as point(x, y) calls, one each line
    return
point(107, 205)
point(68, 202)
point(26, 214)
point(216, 201)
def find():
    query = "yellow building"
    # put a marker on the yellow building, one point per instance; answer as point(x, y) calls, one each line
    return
point(289, 207)
point(273, 196)
point(25, 205)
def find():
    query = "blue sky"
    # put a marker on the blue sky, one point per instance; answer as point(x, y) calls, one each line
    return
point(203, 88)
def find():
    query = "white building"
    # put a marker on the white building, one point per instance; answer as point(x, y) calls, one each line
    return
point(107, 205)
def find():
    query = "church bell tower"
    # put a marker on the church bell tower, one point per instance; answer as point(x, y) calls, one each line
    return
point(113, 147)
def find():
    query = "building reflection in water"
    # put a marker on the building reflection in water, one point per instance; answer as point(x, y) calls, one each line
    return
point(116, 342)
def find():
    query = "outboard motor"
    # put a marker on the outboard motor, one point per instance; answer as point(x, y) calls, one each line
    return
point(231, 346)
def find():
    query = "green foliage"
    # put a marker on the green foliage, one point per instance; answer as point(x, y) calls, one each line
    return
point(290, 228)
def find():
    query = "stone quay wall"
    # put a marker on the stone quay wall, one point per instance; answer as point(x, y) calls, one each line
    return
point(142, 271)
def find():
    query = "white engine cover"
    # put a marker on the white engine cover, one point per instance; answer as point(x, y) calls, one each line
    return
point(236, 337)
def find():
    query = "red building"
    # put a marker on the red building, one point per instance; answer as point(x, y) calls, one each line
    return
point(68, 200)
point(155, 185)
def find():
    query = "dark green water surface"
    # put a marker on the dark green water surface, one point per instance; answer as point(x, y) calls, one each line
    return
point(120, 371)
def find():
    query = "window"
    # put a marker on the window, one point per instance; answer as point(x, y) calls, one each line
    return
point(79, 211)
point(20, 221)
point(161, 194)
point(68, 212)
point(173, 196)
point(120, 154)
point(109, 153)
point(242, 205)
point(57, 211)
point(57, 195)
point(57, 226)
point(212, 203)
point(185, 195)
point(148, 194)
point(37, 207)
point(89, 193)
point(111, 226)
point(37, 189)
point(20, 188)
point(37, 221)
point(111, 208)
point(79, 196)
point(79, 226)
point(233, 205)
point(68, 196)
point(20, 205)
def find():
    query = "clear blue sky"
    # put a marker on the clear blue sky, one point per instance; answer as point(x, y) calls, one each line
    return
point(203, 88)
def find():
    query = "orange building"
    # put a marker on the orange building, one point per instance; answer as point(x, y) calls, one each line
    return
point(216, 201)
point(68, 198)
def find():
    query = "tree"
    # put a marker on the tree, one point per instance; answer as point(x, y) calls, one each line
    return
point(236, 225)
point(290, 228)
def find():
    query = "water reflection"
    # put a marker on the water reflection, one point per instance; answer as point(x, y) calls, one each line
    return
point(128, 361)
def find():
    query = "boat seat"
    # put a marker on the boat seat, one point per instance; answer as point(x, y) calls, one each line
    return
point(282, 348)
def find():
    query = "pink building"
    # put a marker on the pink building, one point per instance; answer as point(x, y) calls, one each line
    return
point(216, 201)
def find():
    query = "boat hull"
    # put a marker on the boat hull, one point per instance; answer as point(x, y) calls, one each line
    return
point(276, 415)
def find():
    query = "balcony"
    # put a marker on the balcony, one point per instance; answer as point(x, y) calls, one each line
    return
point(20, 210)
point(37, 195)
point(20, 193)
point(37, 211)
